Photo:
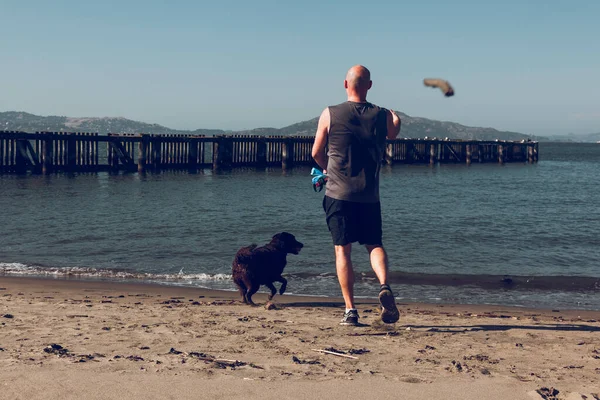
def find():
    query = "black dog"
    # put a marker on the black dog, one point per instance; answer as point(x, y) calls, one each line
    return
point(255, 266)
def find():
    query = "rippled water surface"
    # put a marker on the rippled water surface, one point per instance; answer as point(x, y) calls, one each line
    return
point(516, 234)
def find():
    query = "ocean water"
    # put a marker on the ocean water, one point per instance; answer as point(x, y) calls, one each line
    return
point(514, 234)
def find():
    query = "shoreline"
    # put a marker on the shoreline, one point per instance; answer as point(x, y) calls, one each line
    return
point(543, 283)
point(63, 339)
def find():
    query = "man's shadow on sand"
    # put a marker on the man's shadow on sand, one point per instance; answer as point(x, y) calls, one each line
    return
point(394, 328)
point(492, 327)
point(453, 328)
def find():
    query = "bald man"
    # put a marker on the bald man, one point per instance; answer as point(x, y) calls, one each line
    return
point(355, 134)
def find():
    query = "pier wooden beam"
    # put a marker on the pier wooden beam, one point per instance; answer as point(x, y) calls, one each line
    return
point(452, 152)
point(389, 154)
point(222, 152)
point(194, 144)
point(432, 153)
point(287, 154)
point(530, 153)
point(21, 158)
point(47, 155)
point(468, 153)
point(119, 153)
point(71, 152)
point(142, 152)
point(261, 153)
point(155, 153)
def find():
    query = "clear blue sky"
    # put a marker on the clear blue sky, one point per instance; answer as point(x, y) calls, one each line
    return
point(530, 66)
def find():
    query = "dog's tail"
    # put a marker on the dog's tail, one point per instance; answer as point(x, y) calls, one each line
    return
point(245, 253)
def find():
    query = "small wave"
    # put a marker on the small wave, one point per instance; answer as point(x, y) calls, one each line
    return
point(19, 269)
point(547, 283)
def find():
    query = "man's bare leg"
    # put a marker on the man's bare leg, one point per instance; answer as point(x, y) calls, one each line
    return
point(379, 262)
point(345, 273)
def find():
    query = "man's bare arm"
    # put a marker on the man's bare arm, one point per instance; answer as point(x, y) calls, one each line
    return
point(393, 124)
point(318, 151)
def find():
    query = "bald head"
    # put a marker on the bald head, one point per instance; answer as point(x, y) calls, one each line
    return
point(358, 77)
point(358, 82)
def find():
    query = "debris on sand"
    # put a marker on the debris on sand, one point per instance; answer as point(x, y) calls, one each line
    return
point(335, 353)
point(299, 361)
point(220, 363)
point(548, 393)
point(56, 349)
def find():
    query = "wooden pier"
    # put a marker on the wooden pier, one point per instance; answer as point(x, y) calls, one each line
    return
point(48, 152)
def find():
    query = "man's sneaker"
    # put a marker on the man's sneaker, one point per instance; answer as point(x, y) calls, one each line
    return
point(350, 318)
point(389, 311)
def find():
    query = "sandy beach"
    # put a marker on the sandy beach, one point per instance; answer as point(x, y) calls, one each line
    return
point(66, 339)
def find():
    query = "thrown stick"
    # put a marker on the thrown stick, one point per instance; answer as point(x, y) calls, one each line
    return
point(441, 84)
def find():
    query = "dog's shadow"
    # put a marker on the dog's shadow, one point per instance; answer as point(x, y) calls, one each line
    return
point(328, 304)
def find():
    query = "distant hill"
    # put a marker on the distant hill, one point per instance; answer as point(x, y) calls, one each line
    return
point(586, 138)
point(22, 121)
point(304, 128)
point(412, 127)
point(416, 127)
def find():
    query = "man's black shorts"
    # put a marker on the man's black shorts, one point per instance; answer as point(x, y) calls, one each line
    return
point(351, 222)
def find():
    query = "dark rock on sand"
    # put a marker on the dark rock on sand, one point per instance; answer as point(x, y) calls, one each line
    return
point(299, 361)
point(456, 366)
point(358, 351)
point(202, 356)
point(548, 393)
point(174, 301)
point(56, 349)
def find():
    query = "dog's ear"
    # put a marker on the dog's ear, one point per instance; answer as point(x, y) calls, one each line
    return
point(284, 236)
point(277, 238)
point(280, 240)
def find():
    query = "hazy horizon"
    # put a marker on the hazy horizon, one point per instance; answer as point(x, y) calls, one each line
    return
point(276, 127)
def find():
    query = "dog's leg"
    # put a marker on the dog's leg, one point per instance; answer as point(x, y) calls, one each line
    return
point(283, 284)
point(273, 290)
point(243, 289)
point(251, 290)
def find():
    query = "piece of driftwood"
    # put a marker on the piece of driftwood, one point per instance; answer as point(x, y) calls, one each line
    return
point(335, 354)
